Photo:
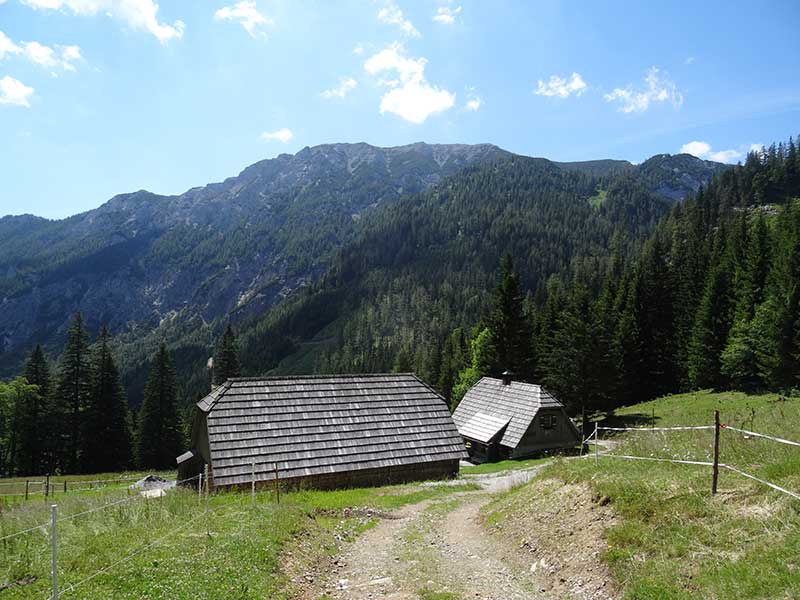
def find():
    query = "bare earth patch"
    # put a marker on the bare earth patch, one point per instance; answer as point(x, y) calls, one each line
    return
point(558, 532)
point(534, 548)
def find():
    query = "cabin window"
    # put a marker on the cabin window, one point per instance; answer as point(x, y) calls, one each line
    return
point(547, 421)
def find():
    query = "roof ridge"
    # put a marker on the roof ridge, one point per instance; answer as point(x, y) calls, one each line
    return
point(318, 376)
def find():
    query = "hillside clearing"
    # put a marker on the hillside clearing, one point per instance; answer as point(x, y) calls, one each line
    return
point(670, 538)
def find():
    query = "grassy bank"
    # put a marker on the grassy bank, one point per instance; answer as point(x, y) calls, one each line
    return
point(243, 557)
point(670, 537)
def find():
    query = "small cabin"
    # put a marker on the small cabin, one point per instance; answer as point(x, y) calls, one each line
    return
point(501, 419)
point(322, 431)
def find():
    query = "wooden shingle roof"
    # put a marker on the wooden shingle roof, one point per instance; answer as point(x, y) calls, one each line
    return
point(516, 403)
point(313, 425)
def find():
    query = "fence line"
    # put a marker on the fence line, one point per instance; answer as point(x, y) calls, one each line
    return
point(715, 464)
point(16, 533)
point(761, 435)
point(772, 485)
point(670, 460)
point(86, 512)
point(129, 557)
point(656, 428)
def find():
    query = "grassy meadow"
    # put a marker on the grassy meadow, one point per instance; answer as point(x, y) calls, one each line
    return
point(237, 551)
point(672, 539)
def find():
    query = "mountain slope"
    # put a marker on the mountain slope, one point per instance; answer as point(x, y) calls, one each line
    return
point(234, 247)
point(172, 268)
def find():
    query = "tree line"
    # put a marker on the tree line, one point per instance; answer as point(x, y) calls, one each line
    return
point(712, 301)
point(74, 417)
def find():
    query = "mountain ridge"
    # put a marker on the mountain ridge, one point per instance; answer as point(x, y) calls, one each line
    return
point(170, 266)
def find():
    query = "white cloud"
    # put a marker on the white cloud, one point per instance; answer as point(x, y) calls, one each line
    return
point(756, 147)
point(392, 15)
point(703, 150)
point(63, 57)
point(689, 60)
point(358, 49)
point(658, 88)
point(138, 14)
point(698, 149)
point(474, 104)
point(7, 46)
point(282, 135)
point(247, 15)
point(561, 87)
point(14, 92)
point(346, 84)
point(411, 97)
point(446, 15)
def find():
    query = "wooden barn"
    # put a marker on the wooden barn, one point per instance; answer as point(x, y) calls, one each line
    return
point(323, 432)
point(501, 419)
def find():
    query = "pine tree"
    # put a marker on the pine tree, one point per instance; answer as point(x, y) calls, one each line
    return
point(106, 439)
point(159, 429)
point(509, 326)
point(16, 444)
point(777, 321)
point(454, 360)
point(38, 427)
point(226, 357)
point(738, 360)
point(72, 393)
point(713, 319)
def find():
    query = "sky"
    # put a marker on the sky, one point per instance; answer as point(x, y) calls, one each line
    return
point(101, 97)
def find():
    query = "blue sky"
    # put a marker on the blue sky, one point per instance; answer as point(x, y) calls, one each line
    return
point(99, 97)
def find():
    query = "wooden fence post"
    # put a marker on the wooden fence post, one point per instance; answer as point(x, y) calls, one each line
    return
point(46, 487)
point(54, 550)
point(277, 485)
point(208, 529)
point(715, 467)
point(595, 444)
point(27, 483)
point(65, 486)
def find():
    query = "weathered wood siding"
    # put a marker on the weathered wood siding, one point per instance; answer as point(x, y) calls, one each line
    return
point(538, 439)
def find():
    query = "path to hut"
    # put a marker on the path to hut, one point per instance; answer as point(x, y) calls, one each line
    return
point(432, 547)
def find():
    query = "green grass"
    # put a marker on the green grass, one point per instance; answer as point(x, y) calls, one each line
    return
point(503, 465)
point(673, 539)
point(598, 199)
point(240, 559)
point(15, 486)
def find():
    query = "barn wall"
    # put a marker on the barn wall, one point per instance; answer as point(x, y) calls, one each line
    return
point(538, 439)
point(362, 477)
point(199, 443)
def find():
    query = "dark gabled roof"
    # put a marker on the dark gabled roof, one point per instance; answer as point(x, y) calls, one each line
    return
point(516, 403)
point(314, 425)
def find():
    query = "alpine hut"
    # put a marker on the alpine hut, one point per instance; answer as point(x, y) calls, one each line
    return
point(324, 432)
point(501, 419)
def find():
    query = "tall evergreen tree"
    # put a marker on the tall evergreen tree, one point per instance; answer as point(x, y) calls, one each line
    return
point(510, 329)
point(72, 393)
point(106, 439)
point(226, 357)
point(39, 426)
point(159, 428)
point(16, 398)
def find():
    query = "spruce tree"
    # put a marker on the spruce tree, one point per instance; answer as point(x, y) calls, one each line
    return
point(226, 357)
point(72, 394)
point(159, 428)
point(39, 426)
point(106, 439)
point(483, 356)
point(738, 360)
point(510, 329)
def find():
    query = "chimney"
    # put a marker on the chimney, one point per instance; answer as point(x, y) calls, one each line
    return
point(507, 375)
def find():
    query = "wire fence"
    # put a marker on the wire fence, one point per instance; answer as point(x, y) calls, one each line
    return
point(50, 486)
point(714, 463)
